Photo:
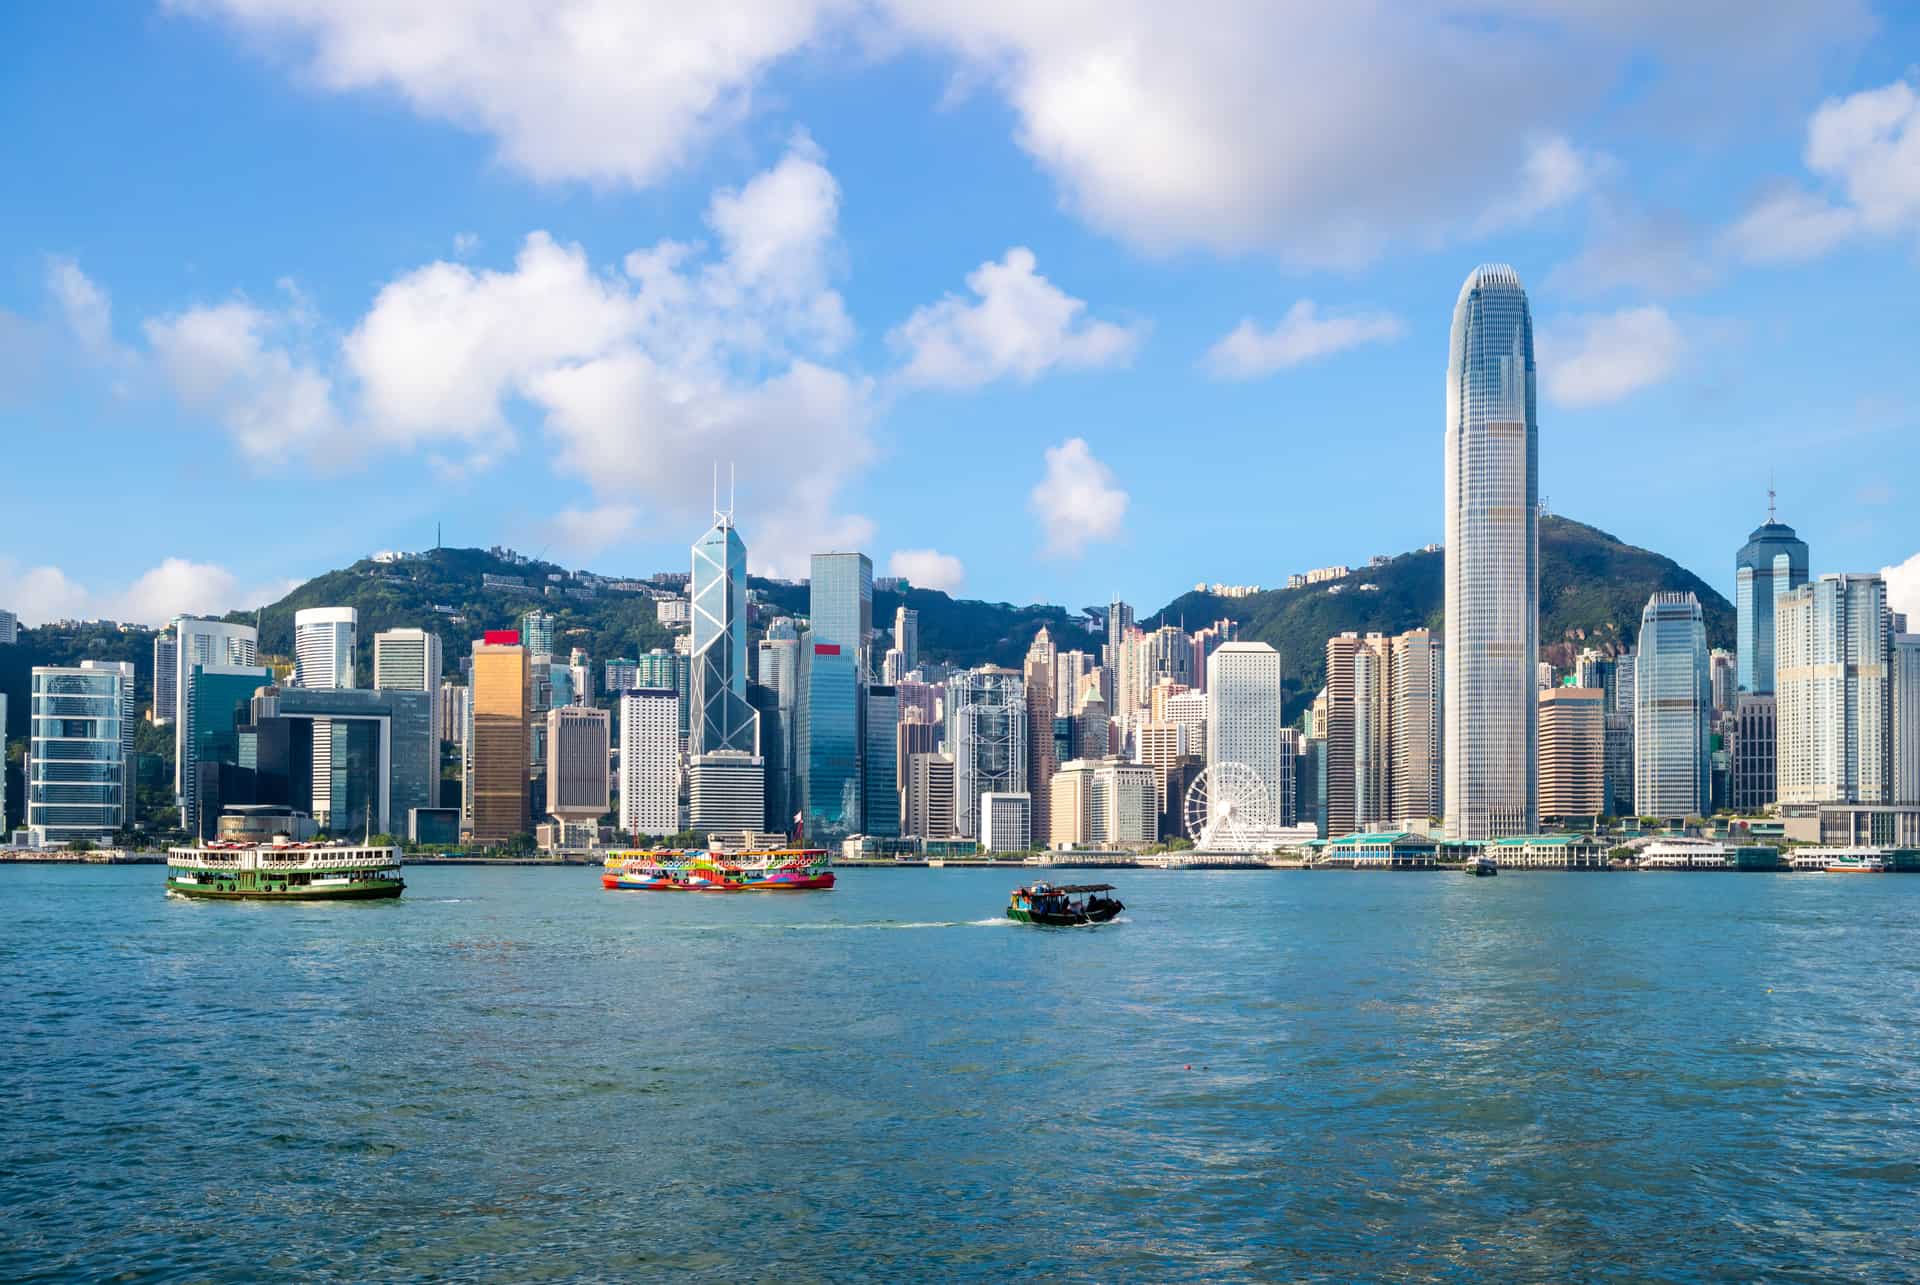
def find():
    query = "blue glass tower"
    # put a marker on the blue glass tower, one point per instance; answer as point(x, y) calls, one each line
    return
point(720, 717)
point(827, 746)
point(1672, 700)
point(1772, 564)
point(879, 768)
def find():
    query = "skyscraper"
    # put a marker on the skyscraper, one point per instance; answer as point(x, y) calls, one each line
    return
point(9, 629)
point(840, 602)
point(650, 761)
point(906, 637)
point(827, 749)
point(1672, 701)
point(1493, 561)
point(78, 767)
point(880, 769)
point(928, 807)
point(719, 717)
point(324, 639)
point(1755, 751)
point(1903, 655)
point(166, 677)
point(1831, 692)
point(987, 736)
point(501, 709)
point(536, 632)
point(409, 660)
point(1573, 775)
point(1419, 678)
point(1245, 722)
point(203, 642)
point(578, 794)
point(1771, 564)
point(1343, 814)
point(1037, 674)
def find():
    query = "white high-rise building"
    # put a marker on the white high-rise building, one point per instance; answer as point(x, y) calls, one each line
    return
point(1105, 802)
point(409, 660)
point(323, 644)
point(1006, 821)
point(1831, 692)
point(726, 791)
point(9, 629)
point(927, 800)
point(1904, 655)
point(1493, 562)
point(1419, 668)
point(650, 761)
point(1245, 720)
point(906, 637)
point(213, 643)
point(577, 784)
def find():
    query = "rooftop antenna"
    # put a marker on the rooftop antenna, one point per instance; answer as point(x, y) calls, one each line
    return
point(1770, 496)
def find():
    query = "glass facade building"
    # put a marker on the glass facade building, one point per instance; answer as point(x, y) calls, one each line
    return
point(827, 746)
point(1492, 562)
point(987, 736)
point(1672, 774)
point(840, 600)
point(720, 717)
point(1771, 564)
point(80, 738)
point(216, 700)
point(879, 769)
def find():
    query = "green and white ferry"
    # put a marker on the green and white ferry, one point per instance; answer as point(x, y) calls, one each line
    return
point(285, 871)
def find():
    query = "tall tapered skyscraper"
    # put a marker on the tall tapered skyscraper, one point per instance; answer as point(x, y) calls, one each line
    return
point(720, 717)
point(1493, 561)
point(1772, 564)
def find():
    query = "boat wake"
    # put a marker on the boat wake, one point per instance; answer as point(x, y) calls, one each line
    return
point(915, 923)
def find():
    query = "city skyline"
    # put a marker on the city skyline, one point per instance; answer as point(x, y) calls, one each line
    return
point(1687, 281)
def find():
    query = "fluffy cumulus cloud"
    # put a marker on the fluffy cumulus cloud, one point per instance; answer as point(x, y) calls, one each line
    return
point(645, 376)
point(928, 569)
point(1903, 589)
point(175, 586)
point(1019, 325)
point(1251, 350)
point(607, 91)
point(1590, 361)
point(1078, 502)
point(1865, 152)
point(1287, 127)
point(232, 362)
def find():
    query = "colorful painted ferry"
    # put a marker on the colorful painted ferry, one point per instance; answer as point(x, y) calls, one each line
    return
point(285, 871)
point(672, 870)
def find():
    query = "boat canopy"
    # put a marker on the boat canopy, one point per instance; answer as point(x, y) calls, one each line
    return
point(1070, 888)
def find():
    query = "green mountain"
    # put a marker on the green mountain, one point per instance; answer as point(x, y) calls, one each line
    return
point(1592, 589)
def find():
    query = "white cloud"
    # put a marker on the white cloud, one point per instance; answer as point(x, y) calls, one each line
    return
point(585, 532)
point(175, 586)
point(1645, 251)
point(1787, 225)
point(608, 91)
point(928, 569)
point(1078, 501)
point(1020, 326)
point(228, 360)
point(1604, 358)
point(1250, 351)
point(1554, 173)
point(83, 305)
point(465, 243)
point(1258, 125)
point(1865, 149)
point(1903, 589)
point(644, 378)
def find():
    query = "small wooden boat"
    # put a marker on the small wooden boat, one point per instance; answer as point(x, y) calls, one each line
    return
point(1063, 907)
point(1482, 867)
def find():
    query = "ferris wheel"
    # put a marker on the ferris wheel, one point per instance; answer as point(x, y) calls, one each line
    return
point(1228, 809)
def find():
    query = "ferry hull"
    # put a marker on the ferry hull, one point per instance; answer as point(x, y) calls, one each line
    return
point(385, 888)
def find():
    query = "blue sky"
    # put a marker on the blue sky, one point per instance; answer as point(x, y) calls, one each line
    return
point(1034, 301)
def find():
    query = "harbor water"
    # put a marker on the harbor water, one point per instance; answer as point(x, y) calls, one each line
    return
point(511, 1074)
